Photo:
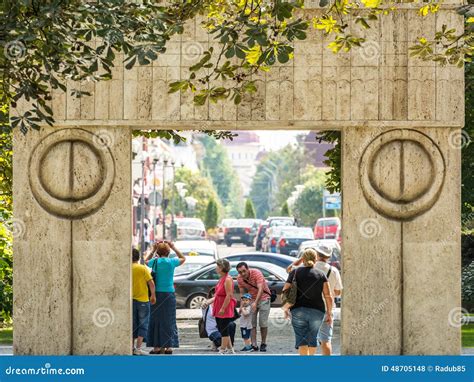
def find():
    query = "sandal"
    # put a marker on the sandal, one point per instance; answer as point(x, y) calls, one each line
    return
point(154, 352)
point(169, 351)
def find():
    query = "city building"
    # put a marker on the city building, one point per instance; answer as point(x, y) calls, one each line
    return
point(243, 151)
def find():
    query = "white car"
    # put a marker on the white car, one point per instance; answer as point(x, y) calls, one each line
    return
point(204, 249)
point(190, 229)
point(192, 264)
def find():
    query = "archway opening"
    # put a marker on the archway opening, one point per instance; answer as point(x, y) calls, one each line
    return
point(257, 196)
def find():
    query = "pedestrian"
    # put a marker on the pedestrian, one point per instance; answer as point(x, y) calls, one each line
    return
point(211, 326)
point(335, 287)
point(309, 309)
point(224, 305)
point(141, 282)
point(252, 281)
point(246, 321)
point(162, 330)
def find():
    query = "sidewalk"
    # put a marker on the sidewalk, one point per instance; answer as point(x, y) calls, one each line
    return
point(195, 314)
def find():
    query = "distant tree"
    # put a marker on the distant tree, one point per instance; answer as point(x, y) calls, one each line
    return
point(197, 186)
point(275, 179)
point(308, 206)
point(216, 164)
point(212, 214)
point(285, 210)
point(249, 210)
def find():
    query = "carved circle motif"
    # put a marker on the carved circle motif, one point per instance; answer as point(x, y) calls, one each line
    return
point(402, 173)
point(70, 176)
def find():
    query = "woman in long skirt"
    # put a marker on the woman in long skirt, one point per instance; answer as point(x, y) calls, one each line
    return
point(162, 329)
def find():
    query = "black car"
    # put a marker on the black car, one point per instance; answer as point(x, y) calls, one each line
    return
point(241, 231)
point(282, 261)
point(291, 238)
point(191, 290)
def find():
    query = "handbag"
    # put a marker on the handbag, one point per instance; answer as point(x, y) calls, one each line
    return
point(202, 325)
point(288, 296)
point(153, 277)
point(236, 315)
point(273, 294)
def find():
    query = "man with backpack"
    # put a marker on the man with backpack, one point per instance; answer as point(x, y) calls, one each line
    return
point(335, 286)
point(252, 281)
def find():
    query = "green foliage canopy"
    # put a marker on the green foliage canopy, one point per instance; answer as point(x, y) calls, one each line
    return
point(249, 210)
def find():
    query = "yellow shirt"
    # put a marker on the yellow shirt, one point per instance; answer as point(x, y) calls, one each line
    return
point(140, 277)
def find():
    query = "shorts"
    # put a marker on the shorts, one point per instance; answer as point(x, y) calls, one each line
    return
point(306, 323)
point(141, 318)
point(263, 311)
point(325, 332)
point(246, 332)
point(223, 325)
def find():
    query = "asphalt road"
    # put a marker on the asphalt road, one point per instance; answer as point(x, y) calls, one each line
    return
point(224, 250)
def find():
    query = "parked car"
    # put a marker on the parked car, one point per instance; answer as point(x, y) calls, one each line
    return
point(221, 229)
point(190, 229)
point(240, 231)
point(270, 240)
point(291, 238)
point(192, 289)
point(203, 248)
point(335, 259)
point(280, 220)
point(192, 264)
point(264, 257)
point(327, 228)
point(262, 228)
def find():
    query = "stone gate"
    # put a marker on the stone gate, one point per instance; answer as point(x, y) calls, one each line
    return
point(401, 122)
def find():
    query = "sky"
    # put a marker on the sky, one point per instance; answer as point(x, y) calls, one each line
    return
point(275, 139)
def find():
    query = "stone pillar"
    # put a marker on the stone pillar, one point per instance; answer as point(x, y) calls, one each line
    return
point(72, 279)
point(401, 241)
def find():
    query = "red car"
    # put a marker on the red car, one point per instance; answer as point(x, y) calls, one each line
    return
point(327, 228)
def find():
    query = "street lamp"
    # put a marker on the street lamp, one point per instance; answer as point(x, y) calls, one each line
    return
point(173, 162)
point(142, 157)
point(163, 200)
point(155, 155)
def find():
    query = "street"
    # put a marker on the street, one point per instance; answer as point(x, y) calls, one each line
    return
point(280, 337)
point(224, 250)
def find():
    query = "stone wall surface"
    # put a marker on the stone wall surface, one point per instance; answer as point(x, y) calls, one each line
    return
point(400, 120)
point(72, 278)
point(379, 81)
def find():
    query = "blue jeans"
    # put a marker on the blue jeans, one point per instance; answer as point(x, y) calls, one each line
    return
point(306, 323)
point(141, 317)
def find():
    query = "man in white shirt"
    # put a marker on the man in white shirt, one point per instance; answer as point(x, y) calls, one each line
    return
point(335, 286)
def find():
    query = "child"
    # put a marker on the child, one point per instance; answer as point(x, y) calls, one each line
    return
point(246, 320)
point(211, 325)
